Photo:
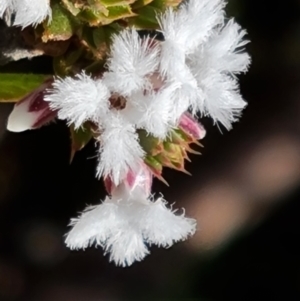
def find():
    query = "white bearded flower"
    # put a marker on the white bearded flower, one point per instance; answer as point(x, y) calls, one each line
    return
point(31, 12)
point(79, 99)
point(214, 65)
point(132, 59)
point(123, 223)
point(194, 68)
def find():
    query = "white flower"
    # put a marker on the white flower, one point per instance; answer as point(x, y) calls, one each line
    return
point(184, 30)
point(214, 65)
point(122, 226)
point(79, 99)
point(31, 12)
point(130, 61)
point(120, 150)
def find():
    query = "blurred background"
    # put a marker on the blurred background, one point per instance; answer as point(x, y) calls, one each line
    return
point(244, 192)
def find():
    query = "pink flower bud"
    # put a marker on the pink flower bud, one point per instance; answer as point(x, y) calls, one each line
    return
point(191, 126)
point(135, 181)
point(32, 111)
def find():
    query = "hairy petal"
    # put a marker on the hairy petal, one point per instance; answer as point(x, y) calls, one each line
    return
point(191, 25)
point(126, 247)
point(215, 66)
point(94, 225)
point(131, 60)
point(120, 150)
point(162, 226)
point(79, 99)
point(225, 49)
point(31, 12)
point(153, 111)
point(5, 5)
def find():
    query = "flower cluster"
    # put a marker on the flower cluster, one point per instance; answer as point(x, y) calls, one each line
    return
point(151, 91)
point(26, 12)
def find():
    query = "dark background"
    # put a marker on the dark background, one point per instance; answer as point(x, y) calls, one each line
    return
point(244, 193)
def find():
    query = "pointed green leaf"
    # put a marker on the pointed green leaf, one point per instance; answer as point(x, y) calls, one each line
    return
point(79, 139)
point(146, 18)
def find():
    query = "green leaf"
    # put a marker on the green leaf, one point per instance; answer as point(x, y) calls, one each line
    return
point(150, 144)
point(140, 3)
point(96, 17)
point(146, 18)
point(71, 7)
point(79, 139)
point(119, 12)
point(63, 24)
point(147, 12)
point(109, 3)
point(14, 87)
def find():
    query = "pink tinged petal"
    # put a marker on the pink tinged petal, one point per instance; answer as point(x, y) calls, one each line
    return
point(31, 112)
point(156, 81)
point(192, 126)
point(135, 181)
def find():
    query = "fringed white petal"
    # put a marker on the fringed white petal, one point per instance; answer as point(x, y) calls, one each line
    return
point(162, 226)
point(191, 25)
point(31, 12)
point(179, 73)
point(79, 99)
point(126, 246)
point(94, 225)
point(131, 60)
point(225, 49)
point(120, 150)
point(222, 100)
